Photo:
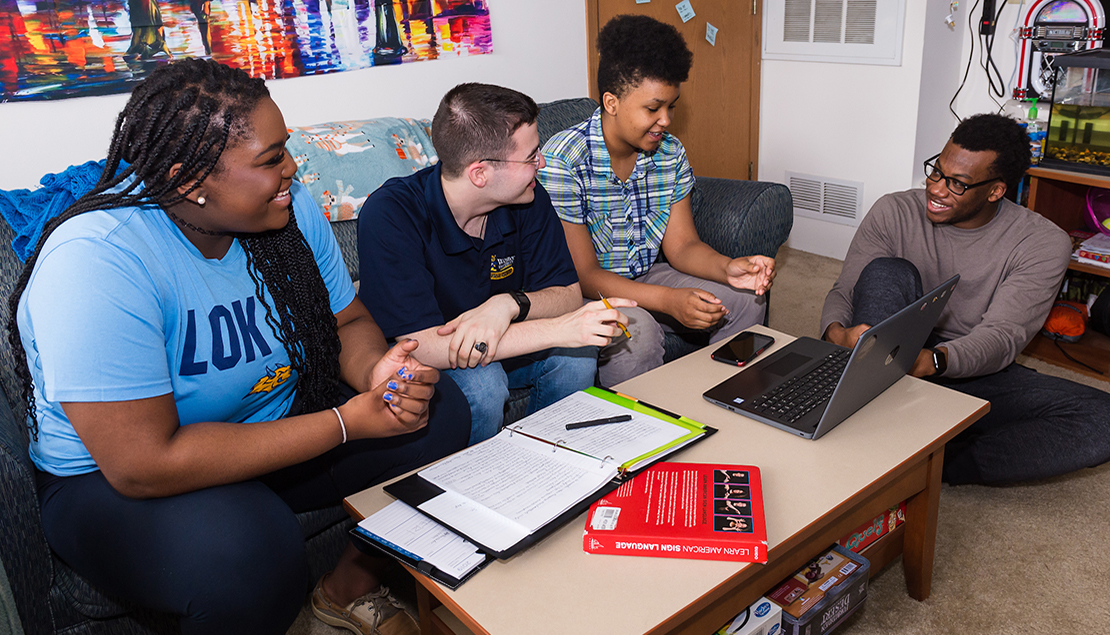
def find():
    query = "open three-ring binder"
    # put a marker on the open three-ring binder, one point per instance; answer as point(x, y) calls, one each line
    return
point(508, 492)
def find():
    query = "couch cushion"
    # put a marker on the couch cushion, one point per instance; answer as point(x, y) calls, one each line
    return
point(556, 116)
point(392, 147)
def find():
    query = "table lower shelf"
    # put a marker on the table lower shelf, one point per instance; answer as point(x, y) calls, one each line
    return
point(1093, 350)
point(879, 554)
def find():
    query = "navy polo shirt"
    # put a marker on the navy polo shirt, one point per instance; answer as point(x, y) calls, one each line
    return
point(419, 269)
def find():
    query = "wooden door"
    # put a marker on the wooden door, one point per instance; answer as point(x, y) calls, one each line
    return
point(717, 118)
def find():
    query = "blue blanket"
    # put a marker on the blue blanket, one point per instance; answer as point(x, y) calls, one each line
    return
point(27, 211)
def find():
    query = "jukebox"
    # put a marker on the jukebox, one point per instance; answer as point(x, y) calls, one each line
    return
point(1050, 28)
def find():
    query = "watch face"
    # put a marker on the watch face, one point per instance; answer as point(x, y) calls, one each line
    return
point(939, 363)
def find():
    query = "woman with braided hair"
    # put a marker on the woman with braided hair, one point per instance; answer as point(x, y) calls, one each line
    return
point(187, 334)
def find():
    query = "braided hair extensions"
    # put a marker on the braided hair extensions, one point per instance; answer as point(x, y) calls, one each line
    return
point(187, 113)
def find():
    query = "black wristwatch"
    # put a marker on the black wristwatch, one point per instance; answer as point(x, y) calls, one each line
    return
point(940, 361)
point(523, 302)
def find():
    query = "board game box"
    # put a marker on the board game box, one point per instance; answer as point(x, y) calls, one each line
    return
point(874, 529)
point(820, 595)
point(764, 617)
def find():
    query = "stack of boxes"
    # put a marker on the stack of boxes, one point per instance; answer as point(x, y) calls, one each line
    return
point(821, 595)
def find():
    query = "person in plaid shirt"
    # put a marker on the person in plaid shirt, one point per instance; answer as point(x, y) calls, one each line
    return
point(621, 185)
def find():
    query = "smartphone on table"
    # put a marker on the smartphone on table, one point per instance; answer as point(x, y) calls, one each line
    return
point(743, 348)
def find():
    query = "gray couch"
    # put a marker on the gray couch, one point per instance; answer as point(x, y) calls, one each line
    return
point(735, 217)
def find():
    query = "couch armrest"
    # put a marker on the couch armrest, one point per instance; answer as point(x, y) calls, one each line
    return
point(23, 547)
point(742, 218)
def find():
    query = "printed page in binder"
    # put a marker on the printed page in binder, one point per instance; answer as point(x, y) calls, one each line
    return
point(500, 491)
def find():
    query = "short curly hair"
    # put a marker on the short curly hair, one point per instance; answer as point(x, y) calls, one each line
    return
point(1003, 136)
point(632, 48)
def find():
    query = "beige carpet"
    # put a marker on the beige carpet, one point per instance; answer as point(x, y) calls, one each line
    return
point(1033, 558)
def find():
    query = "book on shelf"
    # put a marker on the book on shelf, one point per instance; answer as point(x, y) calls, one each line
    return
point(1086, 258)
point(683, 510)
point(507, 492)
point(1096, 248)
point(400, 531)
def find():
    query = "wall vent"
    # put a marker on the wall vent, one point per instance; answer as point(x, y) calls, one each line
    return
point(832, 200)
point(845, 31)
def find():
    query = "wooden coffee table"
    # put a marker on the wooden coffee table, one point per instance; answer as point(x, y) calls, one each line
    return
point(815, 492)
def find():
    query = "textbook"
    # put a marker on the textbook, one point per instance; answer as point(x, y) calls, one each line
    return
point(505, 493)
point(683, 510)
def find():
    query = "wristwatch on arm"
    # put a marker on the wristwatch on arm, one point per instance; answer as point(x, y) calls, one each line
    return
point(940, 361)
point(523, 302)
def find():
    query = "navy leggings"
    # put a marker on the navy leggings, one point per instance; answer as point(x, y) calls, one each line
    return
point(1038, 426)
point(228, 559)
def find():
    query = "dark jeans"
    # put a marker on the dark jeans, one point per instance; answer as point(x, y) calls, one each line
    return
point(228, 559)
point(1038, 425)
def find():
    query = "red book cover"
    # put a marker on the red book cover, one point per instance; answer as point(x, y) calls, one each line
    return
point(1090, 255)
point(683, 510)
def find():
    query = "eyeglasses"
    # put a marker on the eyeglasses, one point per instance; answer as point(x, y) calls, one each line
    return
point(533, 161)
point(954, 185)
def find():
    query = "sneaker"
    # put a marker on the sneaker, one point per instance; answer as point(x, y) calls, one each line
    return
point(377, 613)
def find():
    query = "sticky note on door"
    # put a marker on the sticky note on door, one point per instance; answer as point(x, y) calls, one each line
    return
point(685, 10)
point(711, 33)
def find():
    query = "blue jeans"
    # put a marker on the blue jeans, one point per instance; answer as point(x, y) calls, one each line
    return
point(1038, 426)
point(231, 558)
point(550, 374)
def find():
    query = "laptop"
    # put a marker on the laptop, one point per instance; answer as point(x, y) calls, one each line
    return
point(809, 386)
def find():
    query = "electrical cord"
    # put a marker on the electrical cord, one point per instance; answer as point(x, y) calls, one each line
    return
point(993, 90)
point(1068, 355)
point(970, 56)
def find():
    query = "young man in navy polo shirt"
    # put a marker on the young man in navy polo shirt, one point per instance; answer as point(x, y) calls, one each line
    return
point(469, 258)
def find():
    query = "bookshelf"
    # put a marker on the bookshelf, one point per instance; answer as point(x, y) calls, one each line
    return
point(1061, 197)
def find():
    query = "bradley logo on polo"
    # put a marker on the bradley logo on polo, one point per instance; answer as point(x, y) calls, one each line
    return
point(500, 268)
point(235, 337)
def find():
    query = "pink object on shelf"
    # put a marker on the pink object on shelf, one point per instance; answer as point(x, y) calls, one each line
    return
point(1098, 209)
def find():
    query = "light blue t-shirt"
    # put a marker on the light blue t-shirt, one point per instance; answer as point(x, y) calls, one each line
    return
point(122, 306)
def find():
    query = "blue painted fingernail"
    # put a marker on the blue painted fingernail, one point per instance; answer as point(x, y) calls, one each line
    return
point(392, 385)
point(401, 373)
point(388, 396)
point(409, 377)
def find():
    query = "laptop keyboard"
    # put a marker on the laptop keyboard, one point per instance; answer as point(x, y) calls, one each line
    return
point(792, 399)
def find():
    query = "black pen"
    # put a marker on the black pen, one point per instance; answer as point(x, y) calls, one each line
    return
point(598, 422)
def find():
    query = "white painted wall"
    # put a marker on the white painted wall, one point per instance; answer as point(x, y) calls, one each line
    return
point(539, 49)
point(843, 121)
point(975, 96)
point(875, 124)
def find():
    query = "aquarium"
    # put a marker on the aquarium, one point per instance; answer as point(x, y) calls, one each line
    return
point(1079, 118)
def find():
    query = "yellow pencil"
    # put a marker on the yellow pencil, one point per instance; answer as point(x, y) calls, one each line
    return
point(609, 306)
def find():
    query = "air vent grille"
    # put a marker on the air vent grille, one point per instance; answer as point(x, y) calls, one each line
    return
point(796, 21)
point(859, 22)
point(827, 199)
point(829, 21)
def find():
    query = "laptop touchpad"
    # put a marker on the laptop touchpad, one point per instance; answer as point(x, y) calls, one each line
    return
point(787, 364)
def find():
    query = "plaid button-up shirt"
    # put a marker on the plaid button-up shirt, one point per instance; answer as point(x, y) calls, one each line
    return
point(626, 219)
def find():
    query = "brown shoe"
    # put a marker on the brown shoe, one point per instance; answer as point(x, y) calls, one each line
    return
point(377, 613)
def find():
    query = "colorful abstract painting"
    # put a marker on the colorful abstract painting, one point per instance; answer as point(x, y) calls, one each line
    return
point(52, 49)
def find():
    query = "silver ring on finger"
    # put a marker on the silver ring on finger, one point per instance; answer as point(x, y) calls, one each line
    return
point(481, 347)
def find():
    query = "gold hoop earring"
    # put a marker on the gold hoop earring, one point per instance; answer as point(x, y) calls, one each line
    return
point(201, 201)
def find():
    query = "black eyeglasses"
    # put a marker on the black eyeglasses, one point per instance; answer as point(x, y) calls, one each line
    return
point(954, 185)
point(533, 161)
